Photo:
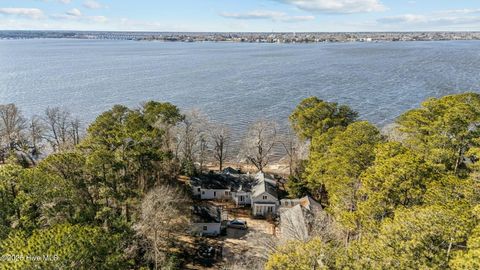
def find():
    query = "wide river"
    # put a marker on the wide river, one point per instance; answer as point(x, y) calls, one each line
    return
point(231, 82)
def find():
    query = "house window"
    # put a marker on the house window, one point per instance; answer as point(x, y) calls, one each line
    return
point(265, 197)
point(226, 193)
point(203, 192)
point(198, 189)
point(241, 198)
point(214, 194)
point(205, 228)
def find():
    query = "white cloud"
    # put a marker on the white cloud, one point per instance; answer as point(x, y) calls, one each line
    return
point(76, 15)
point(65, 1)
point(444, 18)
point(337, 6)
point(268, 15)
point(33, 13)
point(74, 12)
point(92, 4)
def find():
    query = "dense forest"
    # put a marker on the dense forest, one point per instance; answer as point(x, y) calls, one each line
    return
point(108, 197)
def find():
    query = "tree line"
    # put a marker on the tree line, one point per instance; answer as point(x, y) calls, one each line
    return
point(28, 138)
point(192, 137)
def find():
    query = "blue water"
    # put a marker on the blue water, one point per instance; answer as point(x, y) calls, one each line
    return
point(231, 82)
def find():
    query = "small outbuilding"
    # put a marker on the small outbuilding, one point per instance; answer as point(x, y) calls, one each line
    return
point(207, 220)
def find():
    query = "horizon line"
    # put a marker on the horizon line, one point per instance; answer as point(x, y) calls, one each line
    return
point(238, 32)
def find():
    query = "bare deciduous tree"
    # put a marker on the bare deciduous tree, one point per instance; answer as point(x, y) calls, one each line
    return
point(12, 129)
point(36, 133)
point(189, 134)
point(75, 130)
point(202, 152)
point(264, 245)
point(169, 137)
point(259, 142)
point(295, 150)
point(12, 124)
point(290, 144)
point(63, 131)
point(220, 137)
point(164, 211)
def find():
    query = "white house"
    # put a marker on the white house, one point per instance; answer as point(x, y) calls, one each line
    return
point(259, 191)
point(242, 196)
point(207, 220)
point(241, 187)
point(211, 187)
point(264, 196)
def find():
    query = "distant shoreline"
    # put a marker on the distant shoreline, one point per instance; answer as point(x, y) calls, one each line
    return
point(238, 42)
point(228, 37)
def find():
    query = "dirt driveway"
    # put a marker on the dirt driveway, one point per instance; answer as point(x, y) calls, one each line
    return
point(241, 245)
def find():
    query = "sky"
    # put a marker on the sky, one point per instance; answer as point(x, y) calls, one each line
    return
point(241, 15)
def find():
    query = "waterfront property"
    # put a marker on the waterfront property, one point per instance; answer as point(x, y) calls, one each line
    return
point(264, 196)
point(258, 191)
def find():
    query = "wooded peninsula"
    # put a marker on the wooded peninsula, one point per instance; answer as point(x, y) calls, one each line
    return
point(116, 195)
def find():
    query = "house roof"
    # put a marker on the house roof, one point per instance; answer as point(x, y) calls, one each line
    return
point(264, 184)
point(261, 176)
point(310, 204)
point(211, 181)
point(306, 202)
point(206, 214)
point(223, 181)
point(230, 170)
point(295, 222)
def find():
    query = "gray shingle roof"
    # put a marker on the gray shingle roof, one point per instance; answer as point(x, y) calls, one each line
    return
point(223, 181)
point(206, 214)
point(264, 184)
